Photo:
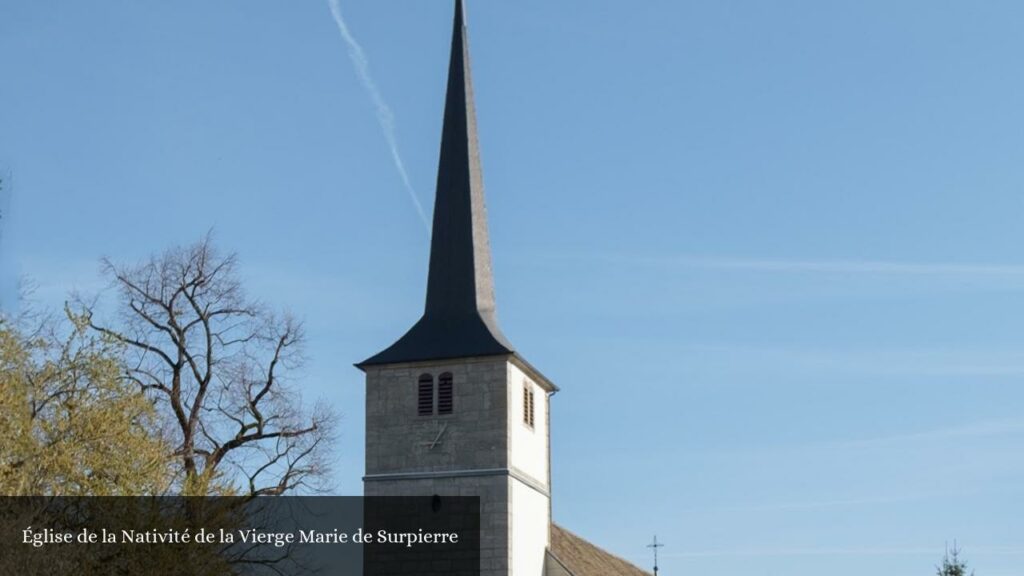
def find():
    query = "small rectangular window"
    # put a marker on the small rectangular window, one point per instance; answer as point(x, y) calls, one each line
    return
point(528, 405)
point(445, 394)
point(532, 412)
point(425, 401)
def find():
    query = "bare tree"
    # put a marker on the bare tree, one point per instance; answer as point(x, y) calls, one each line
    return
point(218, 364)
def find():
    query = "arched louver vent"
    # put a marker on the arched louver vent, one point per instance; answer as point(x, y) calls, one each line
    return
point(425, 401)
point(445, 393)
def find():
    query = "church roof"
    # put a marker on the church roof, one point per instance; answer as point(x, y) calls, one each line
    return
point(570, 555)
point(459, 319)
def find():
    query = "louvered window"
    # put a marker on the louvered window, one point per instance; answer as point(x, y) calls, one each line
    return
point(425, 400)
point(445, 393)
point(528, 408)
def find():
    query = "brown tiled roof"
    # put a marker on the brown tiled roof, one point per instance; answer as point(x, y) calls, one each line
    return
point(577, 557)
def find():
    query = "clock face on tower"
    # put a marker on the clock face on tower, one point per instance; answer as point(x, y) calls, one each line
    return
point(436, 437)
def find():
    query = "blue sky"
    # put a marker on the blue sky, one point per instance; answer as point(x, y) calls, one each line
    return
point(771, 252)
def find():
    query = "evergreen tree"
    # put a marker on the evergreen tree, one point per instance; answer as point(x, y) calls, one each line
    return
point(952, 565)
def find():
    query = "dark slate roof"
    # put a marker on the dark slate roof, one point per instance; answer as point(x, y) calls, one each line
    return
point(570, 555)
point(459, 320)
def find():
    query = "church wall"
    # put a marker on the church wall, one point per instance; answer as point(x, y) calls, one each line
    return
point(487, 447)
point(529, 529)
point(493, 491)
point(528, 451)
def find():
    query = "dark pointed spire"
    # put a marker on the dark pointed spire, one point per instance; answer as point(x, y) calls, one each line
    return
point(459, 319)
point(460, 278)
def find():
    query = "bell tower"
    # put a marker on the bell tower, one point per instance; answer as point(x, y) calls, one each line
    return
point(452, 409)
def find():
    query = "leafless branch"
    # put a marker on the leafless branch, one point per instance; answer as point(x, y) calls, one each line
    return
point(220, 365)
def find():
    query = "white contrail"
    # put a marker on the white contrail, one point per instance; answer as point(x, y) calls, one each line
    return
point(385, 116)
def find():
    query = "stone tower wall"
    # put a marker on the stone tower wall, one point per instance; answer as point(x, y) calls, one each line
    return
point(483, 449)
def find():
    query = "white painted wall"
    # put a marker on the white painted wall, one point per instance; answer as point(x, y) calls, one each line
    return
point(529, 530)
point(528, 447)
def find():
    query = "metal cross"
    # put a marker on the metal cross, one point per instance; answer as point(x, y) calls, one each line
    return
point(655, 545)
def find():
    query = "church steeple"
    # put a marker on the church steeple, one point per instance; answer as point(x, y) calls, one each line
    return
point(460, 279)
point(459, 319)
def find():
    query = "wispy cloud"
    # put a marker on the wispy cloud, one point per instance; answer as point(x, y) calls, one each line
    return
point(385, 117)
point(833, 504)
point(839, 551)
point(822, 266)
point(991, 361)
point(857, 267)
point(993, 449)
point(981, 429)
point(883, 500)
